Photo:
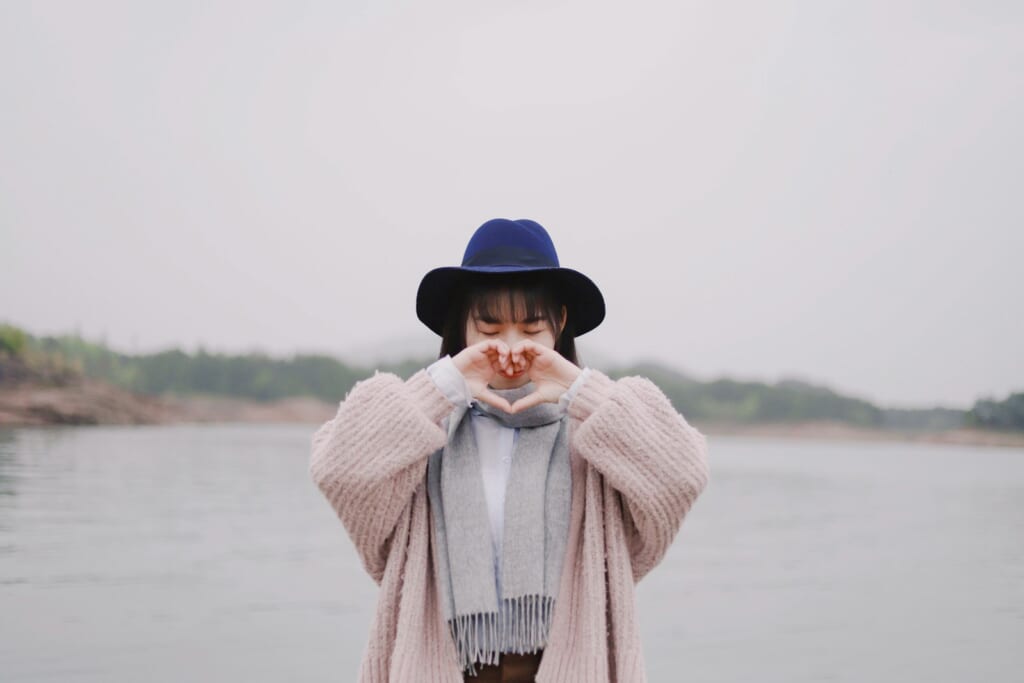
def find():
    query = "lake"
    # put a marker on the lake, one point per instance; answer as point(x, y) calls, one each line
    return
point(205, 553)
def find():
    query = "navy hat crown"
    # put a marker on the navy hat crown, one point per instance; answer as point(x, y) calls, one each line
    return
point(503, 242)
point(500, 247)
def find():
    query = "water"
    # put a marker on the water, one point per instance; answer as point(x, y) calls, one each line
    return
point(205, 553)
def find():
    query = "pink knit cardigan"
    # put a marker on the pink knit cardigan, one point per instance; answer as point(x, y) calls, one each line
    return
point(637, 468)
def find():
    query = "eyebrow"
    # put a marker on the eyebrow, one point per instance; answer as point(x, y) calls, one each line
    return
point(486, 319)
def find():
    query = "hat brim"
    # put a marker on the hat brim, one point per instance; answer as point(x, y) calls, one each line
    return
point(584, 301)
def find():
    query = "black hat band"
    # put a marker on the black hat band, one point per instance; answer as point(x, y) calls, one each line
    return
point(509, 256)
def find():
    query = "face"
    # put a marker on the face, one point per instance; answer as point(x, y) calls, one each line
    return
point(511, 327)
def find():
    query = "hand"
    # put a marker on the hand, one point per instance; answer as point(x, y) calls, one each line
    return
point(551, 372)
point(479, 364)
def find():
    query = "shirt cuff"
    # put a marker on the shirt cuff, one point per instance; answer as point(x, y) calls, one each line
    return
point(449, 380)
point(568, 394)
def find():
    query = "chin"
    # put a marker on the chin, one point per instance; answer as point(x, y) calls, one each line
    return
point(513, 383)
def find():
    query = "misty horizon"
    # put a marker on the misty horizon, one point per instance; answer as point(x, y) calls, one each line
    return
point(794, 189)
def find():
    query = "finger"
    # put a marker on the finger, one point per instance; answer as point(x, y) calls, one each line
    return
point(520, 353)
point(536, 398)
point(527, 348)
point(518, 363)
point(497, 401)
point(504, 352)
point(497, 352)
point(525, 360)
point(498, 366)
point(492, 345)
point(505, 361)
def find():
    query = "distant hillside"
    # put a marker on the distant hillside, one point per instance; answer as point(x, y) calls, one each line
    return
point(992, 414)
point(730, 400)
point(52, 360)
point(23, 360)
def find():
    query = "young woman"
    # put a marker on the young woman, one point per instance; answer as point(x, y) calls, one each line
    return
point(505, 499)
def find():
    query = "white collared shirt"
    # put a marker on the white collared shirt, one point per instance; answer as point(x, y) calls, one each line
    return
point(494, 444)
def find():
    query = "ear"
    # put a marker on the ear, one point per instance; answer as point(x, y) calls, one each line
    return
point(565, 316)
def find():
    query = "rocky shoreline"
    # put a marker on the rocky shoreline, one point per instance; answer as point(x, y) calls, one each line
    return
point(92, 402)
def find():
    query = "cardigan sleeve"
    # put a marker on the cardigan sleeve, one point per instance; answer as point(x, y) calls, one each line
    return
point(629, 431)
point(370, 457)
point(450, 380)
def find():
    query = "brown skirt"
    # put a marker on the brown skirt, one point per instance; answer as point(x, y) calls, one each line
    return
point(511, 668)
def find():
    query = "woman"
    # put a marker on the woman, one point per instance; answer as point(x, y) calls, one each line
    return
point(505, 499)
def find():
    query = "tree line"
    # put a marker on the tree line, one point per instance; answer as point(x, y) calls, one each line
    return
point(261, 377)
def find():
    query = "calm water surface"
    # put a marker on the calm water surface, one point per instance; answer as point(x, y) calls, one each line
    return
point(205, 553)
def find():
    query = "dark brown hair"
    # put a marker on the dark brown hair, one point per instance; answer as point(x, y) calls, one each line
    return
point(536, 292)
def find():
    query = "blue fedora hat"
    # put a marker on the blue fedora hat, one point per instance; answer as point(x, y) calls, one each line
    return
point(502, 246)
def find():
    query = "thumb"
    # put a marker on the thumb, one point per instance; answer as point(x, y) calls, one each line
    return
point(536, 398)
point(488, 396)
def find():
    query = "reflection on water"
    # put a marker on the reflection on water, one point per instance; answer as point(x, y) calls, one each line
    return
point(181, 553)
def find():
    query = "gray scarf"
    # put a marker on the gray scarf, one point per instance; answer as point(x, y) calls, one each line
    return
point(537, 501)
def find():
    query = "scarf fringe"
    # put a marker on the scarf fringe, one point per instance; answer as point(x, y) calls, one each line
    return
point(520, 626)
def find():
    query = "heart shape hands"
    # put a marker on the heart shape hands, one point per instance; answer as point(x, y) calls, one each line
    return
point(551, 373)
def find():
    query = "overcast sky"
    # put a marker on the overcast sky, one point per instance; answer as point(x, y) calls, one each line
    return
point(831, 191)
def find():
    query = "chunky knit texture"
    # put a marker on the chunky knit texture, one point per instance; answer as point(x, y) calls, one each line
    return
point(637, 468)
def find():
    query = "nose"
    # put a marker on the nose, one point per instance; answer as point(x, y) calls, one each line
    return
point(512, 337)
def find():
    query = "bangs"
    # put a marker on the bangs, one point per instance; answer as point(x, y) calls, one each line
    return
point(515, 302)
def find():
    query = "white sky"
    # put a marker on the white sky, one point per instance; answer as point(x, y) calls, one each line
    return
point(823, 190)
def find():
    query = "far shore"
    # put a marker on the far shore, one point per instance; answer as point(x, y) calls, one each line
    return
point(841, 431)
point(92, 402)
